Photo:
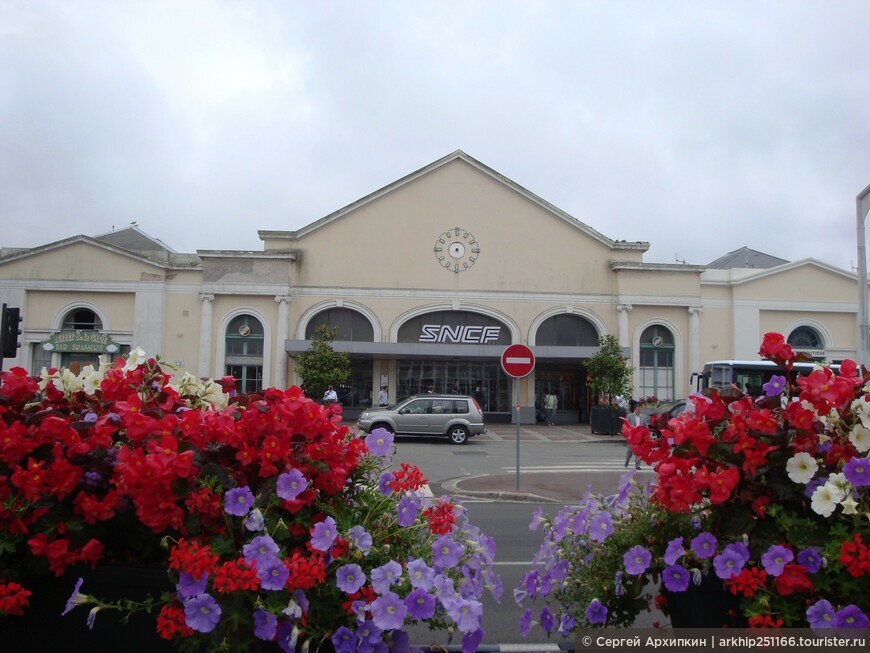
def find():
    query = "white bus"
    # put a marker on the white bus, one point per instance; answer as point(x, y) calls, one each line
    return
point(747, 376)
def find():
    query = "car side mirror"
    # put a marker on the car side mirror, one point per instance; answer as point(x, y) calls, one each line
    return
point(403, 411)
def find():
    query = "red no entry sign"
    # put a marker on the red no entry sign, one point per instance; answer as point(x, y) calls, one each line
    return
point(517, 361)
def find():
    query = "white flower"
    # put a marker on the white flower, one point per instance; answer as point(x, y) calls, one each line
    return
point(802, 467)
point(850, 506)
point(69, 382)
point(861, 407)
point(213, 393)
point(825, 500)
point(859, 436)
point(90, 379)
point(135, 358)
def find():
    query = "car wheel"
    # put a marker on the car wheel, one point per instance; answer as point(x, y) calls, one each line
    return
point(386, 427)
point(458, 435)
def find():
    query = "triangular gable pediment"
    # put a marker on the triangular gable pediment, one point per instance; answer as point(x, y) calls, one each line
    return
point(459, 155)
point(740, 276)
point(162, 260)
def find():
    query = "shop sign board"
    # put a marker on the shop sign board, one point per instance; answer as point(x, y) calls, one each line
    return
point(89, 342)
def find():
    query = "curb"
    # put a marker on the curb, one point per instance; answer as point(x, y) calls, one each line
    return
point(452, 487)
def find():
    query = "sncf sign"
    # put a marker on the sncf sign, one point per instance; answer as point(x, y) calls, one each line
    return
point(471, 335)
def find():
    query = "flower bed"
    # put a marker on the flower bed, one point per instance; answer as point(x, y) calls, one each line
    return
point(274, 523)
point(766, 498)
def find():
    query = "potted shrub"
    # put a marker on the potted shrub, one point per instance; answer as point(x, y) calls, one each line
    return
point(270, 526)
point(609, 377)
point(764, 501)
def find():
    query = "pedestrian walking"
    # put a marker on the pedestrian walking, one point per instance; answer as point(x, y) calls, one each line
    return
point(551, 403)
point(635, 418)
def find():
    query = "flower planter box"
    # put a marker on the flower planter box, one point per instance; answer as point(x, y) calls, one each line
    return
point(606, 421)
point(42, 628)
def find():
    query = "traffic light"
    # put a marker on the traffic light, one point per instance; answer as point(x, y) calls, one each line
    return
point(9, 331)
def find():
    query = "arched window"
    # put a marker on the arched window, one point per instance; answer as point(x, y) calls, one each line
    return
point(244, 353)
point(656, 365)
point(805, 337)
point(82, 319)
point(567, 330)
point(352, 325)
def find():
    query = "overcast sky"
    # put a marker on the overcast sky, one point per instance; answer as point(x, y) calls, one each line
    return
point(699, 127)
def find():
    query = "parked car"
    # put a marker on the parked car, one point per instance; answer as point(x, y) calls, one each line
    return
point(659, 417)
point(456, 416)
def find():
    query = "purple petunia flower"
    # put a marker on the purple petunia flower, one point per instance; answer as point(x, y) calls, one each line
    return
point(857, 471)
point(851, 617)
point(188, 586)
point(420, 574)
point(260, 548)
point(676, 578)
point(406, 510)
point(265, 625)
point(380, 443)
point(467, 613)
point(238, 501)
point(383, 483)
point(600, 527)
point(323, 535)
point(729, 563)
point(350, 578)
point(386, 575)
point(547, 619)
point(526, 622)
point(471, 641)
point(446, 552)
point(704, 545)
point(775, 386)
point(202, 613)
point(775, 559)
point(287, 636)
point(636, 560)
point(537, 519)
point(344, 640)
point(420, 604)
point(76, 598)
point(388, 611)
point(596, 613)
point(810, 559)
point(273, 575)
point(674, 551)
point(566, 624)
point(291, 484)
point(821, 614)
point(360, 538)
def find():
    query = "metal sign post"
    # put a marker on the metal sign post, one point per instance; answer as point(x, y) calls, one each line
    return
point(518, 361)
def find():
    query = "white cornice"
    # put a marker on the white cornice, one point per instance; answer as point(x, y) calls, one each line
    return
point(739, 276)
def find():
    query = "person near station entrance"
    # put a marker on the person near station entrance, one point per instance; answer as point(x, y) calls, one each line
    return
point(635, 418)
point(478, 397)
point(383, 397)
point(330, 396)
point(551, 403)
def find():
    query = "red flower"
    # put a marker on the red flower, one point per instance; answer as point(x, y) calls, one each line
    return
point(764, 621)
point(747, 582)
point(855, 556)
point(409, 478)
point(234, 576)
point(794, 578)
point(13, 598)
point(171, 622)
point(440, 517)
point(774, 346)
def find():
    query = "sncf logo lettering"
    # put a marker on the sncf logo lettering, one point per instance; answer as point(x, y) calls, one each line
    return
point(475, 335)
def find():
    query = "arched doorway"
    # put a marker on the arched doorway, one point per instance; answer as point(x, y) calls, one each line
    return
point(656, 363)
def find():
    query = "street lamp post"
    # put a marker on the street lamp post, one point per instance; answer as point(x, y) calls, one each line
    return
point(863, 208)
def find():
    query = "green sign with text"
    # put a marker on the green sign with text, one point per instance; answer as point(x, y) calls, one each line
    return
point(90, 342)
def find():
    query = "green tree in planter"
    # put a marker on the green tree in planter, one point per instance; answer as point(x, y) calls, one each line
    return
point(321, 365)
point(609, 370)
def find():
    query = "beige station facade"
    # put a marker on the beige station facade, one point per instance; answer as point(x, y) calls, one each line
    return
point(428, 280)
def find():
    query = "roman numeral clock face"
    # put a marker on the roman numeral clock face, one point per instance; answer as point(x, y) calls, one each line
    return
point(456, 250)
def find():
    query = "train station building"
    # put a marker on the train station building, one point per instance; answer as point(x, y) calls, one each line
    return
point(427, 279)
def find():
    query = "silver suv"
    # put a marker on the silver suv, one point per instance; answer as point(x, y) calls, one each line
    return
point(456, 416)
